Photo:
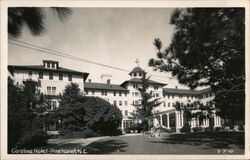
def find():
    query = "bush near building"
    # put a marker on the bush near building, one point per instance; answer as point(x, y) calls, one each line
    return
point(78, 112)
point(186, 128)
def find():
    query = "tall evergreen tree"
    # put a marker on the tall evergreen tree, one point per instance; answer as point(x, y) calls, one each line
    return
point(208, 49)
point(144, 110)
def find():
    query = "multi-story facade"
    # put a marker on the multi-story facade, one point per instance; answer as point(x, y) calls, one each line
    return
point(52, 80)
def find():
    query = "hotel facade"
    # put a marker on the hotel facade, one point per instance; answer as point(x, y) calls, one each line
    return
point(53, 78)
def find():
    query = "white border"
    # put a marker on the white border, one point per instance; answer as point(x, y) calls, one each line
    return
point(115, 4)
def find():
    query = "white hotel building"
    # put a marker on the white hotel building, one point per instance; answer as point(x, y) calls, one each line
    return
point(53, 78)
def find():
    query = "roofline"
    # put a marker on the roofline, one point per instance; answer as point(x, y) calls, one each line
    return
point(110, 89)
point(128, 81)
point(11, 68)
point(197, 92)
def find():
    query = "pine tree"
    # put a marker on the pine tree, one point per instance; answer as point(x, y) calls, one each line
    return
point(208, 49)
point(144, 110)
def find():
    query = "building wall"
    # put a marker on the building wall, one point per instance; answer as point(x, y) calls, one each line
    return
point(21, 75)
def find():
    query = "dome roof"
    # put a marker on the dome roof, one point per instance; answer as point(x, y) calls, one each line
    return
point(136, 70)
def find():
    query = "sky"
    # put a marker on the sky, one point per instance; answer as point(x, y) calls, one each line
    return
point(111, 36)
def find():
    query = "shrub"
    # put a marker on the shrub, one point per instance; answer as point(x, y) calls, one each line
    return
point(127, 130)
point(135, 127)
point(218, 129)
point(241, 127)
point(186, 128)
point(33, 139)
point(85, 133)
point(209, 129)
point(197, 129)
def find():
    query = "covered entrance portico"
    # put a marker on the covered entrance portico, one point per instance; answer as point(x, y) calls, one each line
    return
point(170, 119)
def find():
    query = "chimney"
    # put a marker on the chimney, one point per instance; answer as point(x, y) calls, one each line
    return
point(109, 82)
point(89, 80)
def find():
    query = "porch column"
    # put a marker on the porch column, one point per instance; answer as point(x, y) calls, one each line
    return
point(161, 119)
point(204, 123)
point(215, 121)
point(207, 122)
point(182, 119)
point(219, 121)
point(177, 121)
point(168, 126)
point(194, 122)
point(122, 125)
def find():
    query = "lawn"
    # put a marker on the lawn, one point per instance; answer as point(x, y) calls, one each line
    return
point(189, 143)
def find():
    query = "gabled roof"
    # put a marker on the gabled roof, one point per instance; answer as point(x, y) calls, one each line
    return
point(138, 80)
point(11, 68)
point(136, 70)
point(103, 86)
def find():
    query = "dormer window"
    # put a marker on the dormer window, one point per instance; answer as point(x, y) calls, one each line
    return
point(134, 74)
point(30, 73)
point(53, 65)
point(48, 65)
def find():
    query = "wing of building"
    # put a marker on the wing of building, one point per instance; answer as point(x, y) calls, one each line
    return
point(53, 78)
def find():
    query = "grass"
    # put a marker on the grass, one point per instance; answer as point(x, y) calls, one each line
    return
point(188, 143)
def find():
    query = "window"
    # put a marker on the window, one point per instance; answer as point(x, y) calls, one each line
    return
point(125, 94)
point(48, 65)
point(53, 90)
point(136, 93)
point(140, 74)
point(115, 103)
point(70, 77)
point(126, 103)
point(30, 73)
point(168, 96)
point(164, 104)
point(126, 112)
point(60, 77)
point(93, 92)
point(169, 104)
point(40, 75)
point(120, 93)
point(135, 86)
point(172, 96)
point(48, 90)
point(155, 87)
point(104, 93)
point(180, 96)
point(114, 93)
point(87, 92)
point(187, 97)
point(120, 103)
point(53, 105)
point(53, 65)
point(134, 74)
point(51, 76)
point(157, 94)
